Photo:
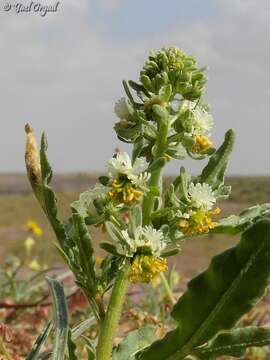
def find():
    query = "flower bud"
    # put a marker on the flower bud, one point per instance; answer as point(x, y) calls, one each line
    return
point(32, 159)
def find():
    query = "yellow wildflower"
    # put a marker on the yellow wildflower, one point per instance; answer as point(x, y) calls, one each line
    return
point(202, 143)
point(146, 267)
point(34, 265)
point(199, 223)
point(29, 242)
point(99, 259)
point(34, 228)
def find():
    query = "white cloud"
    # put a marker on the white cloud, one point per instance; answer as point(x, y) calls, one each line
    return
point(64, 76)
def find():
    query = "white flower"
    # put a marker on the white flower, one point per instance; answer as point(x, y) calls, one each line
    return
point(145, 237)
point(187, 104)
point(203, 122)
point(201, 196)
point(121, 109)
point(121, 165)
point(140, 180)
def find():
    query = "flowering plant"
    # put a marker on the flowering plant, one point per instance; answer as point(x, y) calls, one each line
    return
point(164, 117)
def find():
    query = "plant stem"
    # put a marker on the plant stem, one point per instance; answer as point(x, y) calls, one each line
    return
point(110, 324)
point(168, 289)
point(161, 148)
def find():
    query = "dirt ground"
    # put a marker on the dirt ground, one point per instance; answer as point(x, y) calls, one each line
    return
point(18, 205)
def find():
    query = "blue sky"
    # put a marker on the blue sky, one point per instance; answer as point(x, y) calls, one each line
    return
point(63, 74)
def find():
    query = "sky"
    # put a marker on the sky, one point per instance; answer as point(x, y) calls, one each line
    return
point(62, 73)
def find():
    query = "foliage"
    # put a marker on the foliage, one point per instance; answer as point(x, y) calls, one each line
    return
point(165, 117)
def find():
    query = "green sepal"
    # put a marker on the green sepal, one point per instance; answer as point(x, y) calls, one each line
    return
point(104, 180)
point(94, 220)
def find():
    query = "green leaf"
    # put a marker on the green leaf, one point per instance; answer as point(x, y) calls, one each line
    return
point(234, 224)
point(109, 247)
point(234, 343)
point(126, 88)
point(213, 173)
point(137, 148)
point(137, 87)
point(71, 348)
point(109, 269)
point(216, 299)
point(115, 233)
point(60, 319)
point(78, 330)
point(33, 355)
point(134, 342)
point(49, 202)
point(82, 238)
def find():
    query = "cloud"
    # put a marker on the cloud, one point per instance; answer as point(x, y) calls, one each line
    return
point(110, 4)
point(62, 74)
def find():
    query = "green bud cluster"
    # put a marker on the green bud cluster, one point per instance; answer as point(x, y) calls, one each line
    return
point(173, 66)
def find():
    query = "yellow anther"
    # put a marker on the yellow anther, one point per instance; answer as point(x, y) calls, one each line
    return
point(146, 267)
point(199, 223)
point(202, 143)
point(124, 192)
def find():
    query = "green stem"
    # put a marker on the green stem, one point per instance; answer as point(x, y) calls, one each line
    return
point(161, 148)
point(112, 317)
point(168, 289)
